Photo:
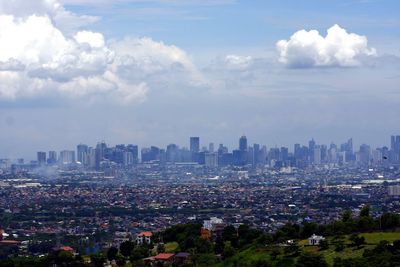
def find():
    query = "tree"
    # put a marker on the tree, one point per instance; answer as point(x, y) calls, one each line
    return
point(219, 245)
point(139, 252)
point(308, 229)
point(346, 216)
point(323, 244)
point(356, 240)
point(365, 211)
point(64, 257)
point(98, 260)
point(229, 234)
point(160, 248)
point(229, 251)
point(260, 263)
point(339, 246)
point(112, 253)
point(202, 245)
point(351, 262)
point(188, 243)
point(126, 248)
point(389, 221)
point(120, 260)
point(293, 249)
point(311, 260)
point(275, 252)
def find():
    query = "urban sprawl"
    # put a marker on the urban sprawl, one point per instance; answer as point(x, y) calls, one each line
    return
point(97, 197)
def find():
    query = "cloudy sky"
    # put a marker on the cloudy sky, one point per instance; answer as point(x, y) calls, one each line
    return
point(158, 71)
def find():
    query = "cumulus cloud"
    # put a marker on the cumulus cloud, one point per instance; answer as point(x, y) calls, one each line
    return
point(337, 48)
point(39, 58)
point(65, 20)
point(145, 56)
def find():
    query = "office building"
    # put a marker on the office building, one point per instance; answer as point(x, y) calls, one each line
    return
point(41, 158)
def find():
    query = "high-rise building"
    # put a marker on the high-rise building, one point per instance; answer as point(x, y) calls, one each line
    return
point(172, 153)
point(150, 154)
point(91, 157)
point(256, 154)
point(211, 160)
point(240, 157)
point(297, 151)
point(311, 146)
point(100, 153)
point(395, 149)
point(211, 147)
point(52, 157)
point(317, 155)
point(243, 143)
point(195, 144)
point(127, 158)
point(363, 155)
point(67, 157)
point(135, 152)
point(284, 154)
point(41, 158)
point(392, 142)
point(81, 152)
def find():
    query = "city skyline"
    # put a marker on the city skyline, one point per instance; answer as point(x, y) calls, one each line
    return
point(155, 72)
point(196, 145)
point(199, 133)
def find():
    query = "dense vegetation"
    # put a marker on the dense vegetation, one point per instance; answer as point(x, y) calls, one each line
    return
point(351, 241)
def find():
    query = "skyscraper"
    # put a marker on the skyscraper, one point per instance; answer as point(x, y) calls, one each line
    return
point(311, 146)
point(317, 151)
point(100, 153)
point(52, 157)
point(67, 156)
point(195, 144)
point(211, 160)
point(243, 143)
point(211, 147)
point(41, 158)
point(81, 151)
point(256, 154)
point(135, 152)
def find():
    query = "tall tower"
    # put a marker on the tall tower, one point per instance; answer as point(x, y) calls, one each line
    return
point(100, 153)
point(243, 143)
point(52, 157)
point(194, 144)
point(41, 158)
point(81, 151)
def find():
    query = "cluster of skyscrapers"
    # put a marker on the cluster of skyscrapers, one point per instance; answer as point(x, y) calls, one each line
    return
point(302, 156)
point(92, 157)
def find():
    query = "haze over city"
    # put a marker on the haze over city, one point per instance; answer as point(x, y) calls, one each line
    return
point(204, 133)
point(157, 72)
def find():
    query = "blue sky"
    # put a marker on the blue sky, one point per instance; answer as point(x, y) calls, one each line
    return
point(242, 24)
point(159, 71)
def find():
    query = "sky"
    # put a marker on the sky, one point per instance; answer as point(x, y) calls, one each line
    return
point(155, 72)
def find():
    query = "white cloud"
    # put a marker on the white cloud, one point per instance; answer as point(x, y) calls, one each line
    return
point(37, 58)
point(144, 58)
point(64, 20)
point(236, 62)
point(337, 48)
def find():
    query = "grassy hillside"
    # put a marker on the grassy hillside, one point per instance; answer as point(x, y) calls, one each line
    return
point(279, 255)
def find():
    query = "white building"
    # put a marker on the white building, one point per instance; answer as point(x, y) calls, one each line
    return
point(317, 155)
point(314, 240)
point(211, 160)
point(208, 224)
point(144, 237)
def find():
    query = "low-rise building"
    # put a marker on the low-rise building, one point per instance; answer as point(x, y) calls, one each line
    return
point(144, 237)
point(314, 240)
